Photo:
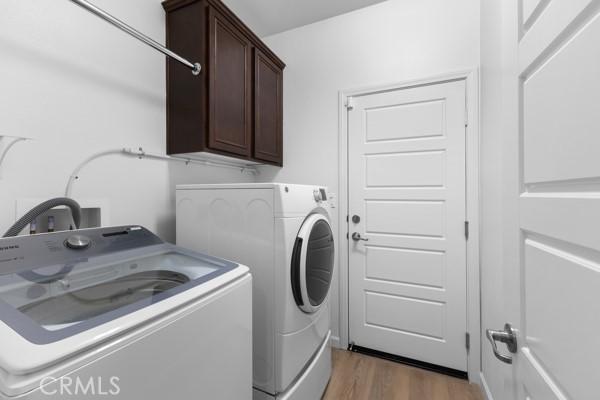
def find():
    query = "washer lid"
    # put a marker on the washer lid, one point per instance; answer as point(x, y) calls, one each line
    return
point(50, 291)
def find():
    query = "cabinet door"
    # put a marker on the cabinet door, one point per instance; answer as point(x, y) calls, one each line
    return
point(230, 76)
point(268, 110)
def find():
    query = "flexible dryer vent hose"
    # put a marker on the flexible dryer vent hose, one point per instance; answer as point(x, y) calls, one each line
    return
point(42, 208)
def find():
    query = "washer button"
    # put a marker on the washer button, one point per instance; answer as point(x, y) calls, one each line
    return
point(78, 242)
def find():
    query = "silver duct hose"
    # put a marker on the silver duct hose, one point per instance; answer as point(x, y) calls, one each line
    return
point(42, 208)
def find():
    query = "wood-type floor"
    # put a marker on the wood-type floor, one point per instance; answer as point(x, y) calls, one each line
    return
point(361, 377)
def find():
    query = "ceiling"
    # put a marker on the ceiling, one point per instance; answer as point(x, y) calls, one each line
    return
point(267, 17)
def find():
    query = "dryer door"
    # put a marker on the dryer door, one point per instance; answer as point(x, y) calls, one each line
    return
point(312, 263)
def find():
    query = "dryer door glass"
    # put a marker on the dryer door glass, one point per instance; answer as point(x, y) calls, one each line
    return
point(319, 262)
point(312, 263)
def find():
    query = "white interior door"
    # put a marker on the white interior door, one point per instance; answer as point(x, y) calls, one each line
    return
point(407, 250)
point(552, 162)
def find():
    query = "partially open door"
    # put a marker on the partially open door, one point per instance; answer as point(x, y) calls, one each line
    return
point(552, 202)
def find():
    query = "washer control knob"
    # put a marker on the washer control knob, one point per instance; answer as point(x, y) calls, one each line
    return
point(317, 194)
point(78, 242)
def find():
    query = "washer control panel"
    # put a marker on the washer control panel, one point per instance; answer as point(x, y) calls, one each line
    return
point(78, 242)
point(59, 248)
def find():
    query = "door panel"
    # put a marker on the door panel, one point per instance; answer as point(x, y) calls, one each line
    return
point(268, 111)
point(553, 270)
point(229, 90)
point(406, 121)
point(413, 169)
point(559, 18)
point(421, 267)
point(545, 213)
point(529, 9)
point(407, 283)
point(400, 217)
point(405, 315)
point(537, 384)
point(556, 90)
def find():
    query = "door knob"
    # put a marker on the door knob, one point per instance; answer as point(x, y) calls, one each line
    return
point(508, 337)
point(356, 237)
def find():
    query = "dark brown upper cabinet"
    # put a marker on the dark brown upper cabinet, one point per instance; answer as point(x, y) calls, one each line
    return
point(268, 121)
point(234, 107)
point(230, 87)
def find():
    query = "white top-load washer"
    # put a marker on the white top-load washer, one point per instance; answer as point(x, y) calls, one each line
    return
point(118, 313)
point(283, 233)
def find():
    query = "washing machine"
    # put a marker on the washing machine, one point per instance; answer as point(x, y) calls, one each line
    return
point(283, 233)
point(118, 313)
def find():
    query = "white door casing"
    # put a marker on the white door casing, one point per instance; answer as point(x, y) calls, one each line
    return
point(552, 202)
point(406, 183)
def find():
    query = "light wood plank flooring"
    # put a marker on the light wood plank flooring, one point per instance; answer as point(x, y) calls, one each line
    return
point(360, 377)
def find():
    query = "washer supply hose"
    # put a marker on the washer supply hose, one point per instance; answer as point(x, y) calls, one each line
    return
point(42, 208)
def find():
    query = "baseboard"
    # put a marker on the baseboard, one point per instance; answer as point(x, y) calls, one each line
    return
point(335, 342)
point(486, 388)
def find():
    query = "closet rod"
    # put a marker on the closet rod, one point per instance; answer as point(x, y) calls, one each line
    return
point(195, 67)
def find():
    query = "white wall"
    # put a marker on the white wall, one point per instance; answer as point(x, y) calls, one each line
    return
point(492, 81)
point(394, 41)
point(80, 86)
point(499, 44)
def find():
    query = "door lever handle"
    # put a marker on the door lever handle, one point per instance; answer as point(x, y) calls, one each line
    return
point(508, 337)
point(356, 237)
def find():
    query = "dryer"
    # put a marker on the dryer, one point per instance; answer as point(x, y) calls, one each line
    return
point(283, 233)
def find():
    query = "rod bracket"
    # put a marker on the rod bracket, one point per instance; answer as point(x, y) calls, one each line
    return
point(197, 69)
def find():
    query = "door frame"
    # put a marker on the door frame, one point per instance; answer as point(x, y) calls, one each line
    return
point(471, 78)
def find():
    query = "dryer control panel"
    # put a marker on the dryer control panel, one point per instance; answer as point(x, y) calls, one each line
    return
point(320, 195)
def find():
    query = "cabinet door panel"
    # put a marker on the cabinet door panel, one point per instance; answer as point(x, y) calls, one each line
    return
point(268, 113)
point(187, 107)
point(230, 87)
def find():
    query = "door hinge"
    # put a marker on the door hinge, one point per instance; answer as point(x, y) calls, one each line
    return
point(347, 235)
point(350, 103)
point(468, 341)
point(466, 229)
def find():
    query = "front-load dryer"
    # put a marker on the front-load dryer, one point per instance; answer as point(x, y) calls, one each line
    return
point(118, 313)
point(283, 233)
